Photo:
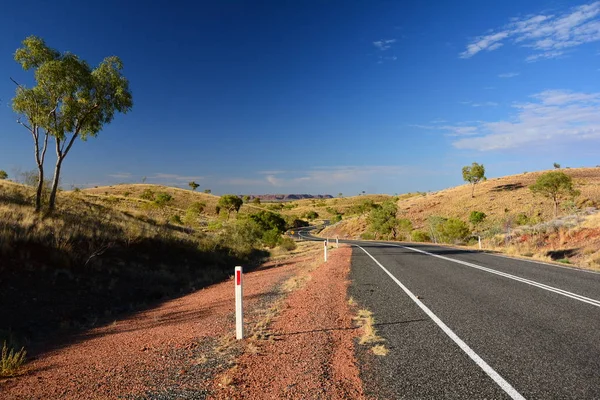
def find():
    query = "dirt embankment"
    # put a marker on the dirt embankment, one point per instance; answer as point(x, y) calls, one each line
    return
point(300, 344)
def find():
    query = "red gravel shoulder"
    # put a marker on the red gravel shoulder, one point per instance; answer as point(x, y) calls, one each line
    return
point(312, 351)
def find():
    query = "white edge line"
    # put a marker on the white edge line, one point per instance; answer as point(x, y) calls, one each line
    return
point(541, 263)
point(507, 387)
point(549, 288)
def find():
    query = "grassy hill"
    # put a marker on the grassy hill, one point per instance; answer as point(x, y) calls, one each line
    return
point(517, 222)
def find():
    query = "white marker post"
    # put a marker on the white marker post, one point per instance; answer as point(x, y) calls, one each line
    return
point(479, 240)
point(239, 310)
point(325, 250)
point(337, 242)
point(327, 241)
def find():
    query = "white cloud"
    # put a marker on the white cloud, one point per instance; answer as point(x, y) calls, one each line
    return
point(121, 175)
point(175, 177)
point(547, 34)
point(552, 116)
point(384, 45)
point(509, 75)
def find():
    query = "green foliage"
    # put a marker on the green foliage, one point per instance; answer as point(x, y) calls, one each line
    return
point(311, 215)
point(419, 236)
point(11, 360)
point(555, 185)
point(207, 191)
point(269, 221)
point(454, 231)
point(126, 194)
point(246, 199)
point(193, 185)
point(3, 174)
point(564, 261)
point(367, 236)
point(447, 230)
point(477, 217)
point(193, 212)
point(522, 219)
point(474, 174)
point(362, 208)
point(383, 220)
point(287, 243)
point(336, 218)
point(70, 99)
point(256, 200)
point(557, 165)
point(292, 221)
point(404, 228)
point(147, 194)
point(229, 203)
point(271, 238)
point(162, 199)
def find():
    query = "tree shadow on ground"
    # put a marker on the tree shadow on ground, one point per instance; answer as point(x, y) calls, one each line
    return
point(507, 188)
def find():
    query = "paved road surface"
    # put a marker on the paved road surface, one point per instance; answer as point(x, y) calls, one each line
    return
point(463, 324)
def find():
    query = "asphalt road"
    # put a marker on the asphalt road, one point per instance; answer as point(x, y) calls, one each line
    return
point(463, 324)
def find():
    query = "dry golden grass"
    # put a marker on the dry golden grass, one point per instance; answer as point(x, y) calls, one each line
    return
point(380, 350)
point(366, 321)
point(497, 198)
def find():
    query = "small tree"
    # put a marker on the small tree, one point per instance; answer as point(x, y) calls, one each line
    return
point(474, 174)
point(340, 194)
point(556, 165)
point(3, 174)
point(70, 100)
point(207, 191)
point(256, 200)
point(246, 199)
point(383, 220)
point(193, 185)
point(229, 202)
point(311, 215)
point(162, 199)
point(555, 185)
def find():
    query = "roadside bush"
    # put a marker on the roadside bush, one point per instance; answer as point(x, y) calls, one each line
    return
point(419, 236)
point(193, 212)
point(176, 219)
point(476, 217)
point(367, 236)
point(404, 228)
point(268, 221)
point(454, 231)
point(336, 218)
point(271, 238)
point(11, 360)
point(311, 215)
point(287, 243)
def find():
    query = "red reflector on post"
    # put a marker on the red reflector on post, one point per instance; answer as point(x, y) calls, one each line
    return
point(238, 277)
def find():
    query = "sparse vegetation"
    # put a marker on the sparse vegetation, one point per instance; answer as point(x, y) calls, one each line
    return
point(11, 361)
point(193, 185)
point(555, 185)
point(474, 174)
point(3, 174)
point(229, 203)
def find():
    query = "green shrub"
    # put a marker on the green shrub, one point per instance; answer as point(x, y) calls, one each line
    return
point(522, 219)
point(147, 194)
point(336, 218)
point(176, 219)
point(404, 228)
point(311, 215)
point(162, 199)
point(271, 238)
point(367, 236)
point(126, 194)
point(287, 243)
point(564, 261)
point(476, 217)
point(269, 221)
point(3, 174)
point(454, 230)
point(419, 236)
point(11, 361)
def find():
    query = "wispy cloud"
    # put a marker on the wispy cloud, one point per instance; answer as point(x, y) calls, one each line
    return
point(509, 75)
point(482, 104)
point(547, 34)
point(121, 175)
point(325, 176)
point(175, 177)
point(384, 44)
point(552, 116)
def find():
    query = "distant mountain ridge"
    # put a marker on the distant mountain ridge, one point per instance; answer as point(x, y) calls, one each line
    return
point(288, 197)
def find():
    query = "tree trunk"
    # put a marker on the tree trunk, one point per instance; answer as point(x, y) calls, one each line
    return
point(555, 208)
point(472, 190)
point(52, 201)
point(40, 188)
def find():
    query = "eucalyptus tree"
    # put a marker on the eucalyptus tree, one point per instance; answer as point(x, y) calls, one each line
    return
point(70, 100)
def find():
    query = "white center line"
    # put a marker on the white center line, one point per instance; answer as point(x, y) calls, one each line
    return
point(507, 387)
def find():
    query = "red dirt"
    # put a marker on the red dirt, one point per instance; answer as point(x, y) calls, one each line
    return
point(312, 355)
point(181, 348)
point(149, 351)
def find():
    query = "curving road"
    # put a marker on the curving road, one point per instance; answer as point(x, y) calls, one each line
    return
point(463, 324)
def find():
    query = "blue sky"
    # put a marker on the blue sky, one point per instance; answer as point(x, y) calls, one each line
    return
point(322, 96)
